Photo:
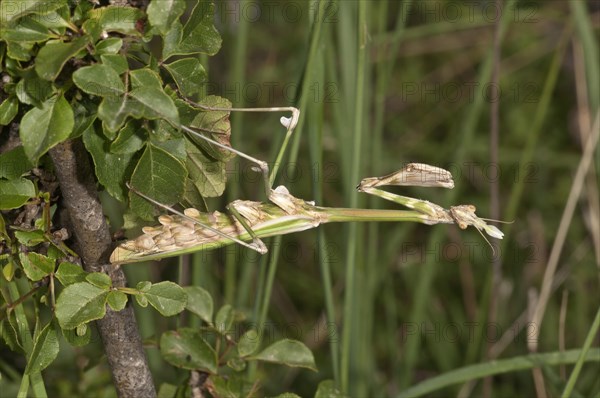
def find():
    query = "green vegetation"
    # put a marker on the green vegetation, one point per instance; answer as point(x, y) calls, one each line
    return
point(379, 309)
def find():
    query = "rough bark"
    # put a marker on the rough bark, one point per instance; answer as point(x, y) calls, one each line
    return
point(118, 330)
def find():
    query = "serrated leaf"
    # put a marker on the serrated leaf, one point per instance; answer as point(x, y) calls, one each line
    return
point(69, 273)
point(100, 80)
point(15, 193)
point(248, 343)
point(160, 176)
point(112, 45)
point(327, 389)
point(117, 300)
point(167, 297)
point(80, 303)
point(12, 10)
point(35, 265)
point(13, 163)
point(41, 129)
point(45, 349)
point(287, 352)
point(54, 54)
point(199, 34)
point(99, 279)
point(162, 14)
point(74, 339)
point(8, 110)
point(117, 19)
point(224, 319)
point(111, 169)
point(199, 302)
point(189, 75)
point(185, 348)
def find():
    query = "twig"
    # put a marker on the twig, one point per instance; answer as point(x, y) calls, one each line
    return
point(118, 330)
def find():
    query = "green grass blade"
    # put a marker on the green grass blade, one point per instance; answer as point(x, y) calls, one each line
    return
point(472, 372)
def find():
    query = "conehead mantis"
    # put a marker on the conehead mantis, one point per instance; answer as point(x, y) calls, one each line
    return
point(190, 231)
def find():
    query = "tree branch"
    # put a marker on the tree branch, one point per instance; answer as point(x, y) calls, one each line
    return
point(118, 330)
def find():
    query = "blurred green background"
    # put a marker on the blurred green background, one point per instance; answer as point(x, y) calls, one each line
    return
point(381, 84)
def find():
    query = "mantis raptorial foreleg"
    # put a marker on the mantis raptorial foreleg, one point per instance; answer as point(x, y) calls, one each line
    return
point(288, 123)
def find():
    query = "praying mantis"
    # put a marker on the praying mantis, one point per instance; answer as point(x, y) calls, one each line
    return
point(249, 221)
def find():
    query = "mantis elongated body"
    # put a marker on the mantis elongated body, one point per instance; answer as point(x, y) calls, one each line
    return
point(187, 232)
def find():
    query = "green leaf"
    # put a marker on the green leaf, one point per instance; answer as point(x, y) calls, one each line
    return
point(167, 390)
point(167, 297)
point(224, 319)
point(208, 175)
point(185, 348)
point(27, 29)
point(160, 176)
point(100, 80)
point(130, 139)
point(32, 89)
point(52, 57)
point(117, 19)
point(143, 286)
point(236, 363)
point(141, 300)
point(288, 352)
point(80, 303)
point(112, 45)
point(113, 111)
point(12, 10)
point(288, 395)
point(99, 279)
point(111, 169)
point(225, 387)
point(30, 238)
point(45, 349)
point(41, 129)
point(69, 273)
point(13, 164)
point(215, 125)
point(189, 75)
point(15, 193)
point(154, 104)
point(145, 77)
point(163, 13)
point(36, 266)
point(117, 300)
point(8, 110)
point(199, 302)
point(76, 340)
point(327, 389)
point(20, 51)
point(199, 34)
point(116, 61)
point(248, 343)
